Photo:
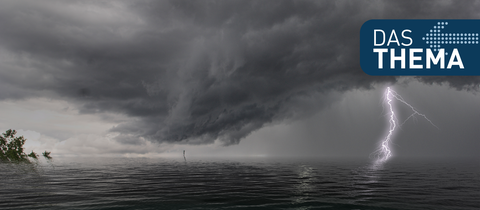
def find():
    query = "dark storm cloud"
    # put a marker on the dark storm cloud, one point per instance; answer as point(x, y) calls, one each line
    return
point(195, 71)
point(457, 82)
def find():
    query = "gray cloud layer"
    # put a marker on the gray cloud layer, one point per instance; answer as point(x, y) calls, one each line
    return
point(196, 71)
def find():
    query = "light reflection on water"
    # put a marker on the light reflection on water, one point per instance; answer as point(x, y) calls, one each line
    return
point(140, 183)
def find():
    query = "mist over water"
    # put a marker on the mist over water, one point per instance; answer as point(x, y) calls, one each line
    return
point(253, 183)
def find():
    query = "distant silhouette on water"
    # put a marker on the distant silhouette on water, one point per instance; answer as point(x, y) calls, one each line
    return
point(184, 155)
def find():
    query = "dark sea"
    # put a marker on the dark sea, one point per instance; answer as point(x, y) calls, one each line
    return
point(254, 183)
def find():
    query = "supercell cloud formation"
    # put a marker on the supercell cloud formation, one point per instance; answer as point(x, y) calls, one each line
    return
point(196, 71)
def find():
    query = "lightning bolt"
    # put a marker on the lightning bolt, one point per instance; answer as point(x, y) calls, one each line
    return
point(384, 152)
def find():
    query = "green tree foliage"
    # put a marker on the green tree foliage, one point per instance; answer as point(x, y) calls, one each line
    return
point(11, 148)
point(33, 155)
point(47, 155)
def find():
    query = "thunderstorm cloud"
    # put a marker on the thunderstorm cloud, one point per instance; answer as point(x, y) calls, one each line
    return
point(196, 71)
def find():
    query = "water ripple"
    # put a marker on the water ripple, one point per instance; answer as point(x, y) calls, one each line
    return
point(229, 184)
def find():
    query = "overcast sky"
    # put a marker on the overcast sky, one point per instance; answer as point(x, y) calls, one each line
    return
point(223, 78)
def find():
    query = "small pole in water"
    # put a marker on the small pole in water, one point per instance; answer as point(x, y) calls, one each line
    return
point(184, 155)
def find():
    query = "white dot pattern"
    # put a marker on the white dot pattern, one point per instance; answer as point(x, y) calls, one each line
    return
point(435, 38)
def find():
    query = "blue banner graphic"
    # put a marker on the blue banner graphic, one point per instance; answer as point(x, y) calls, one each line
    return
point(420, 47)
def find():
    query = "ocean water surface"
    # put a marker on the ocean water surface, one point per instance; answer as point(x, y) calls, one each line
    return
point(254, 183)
